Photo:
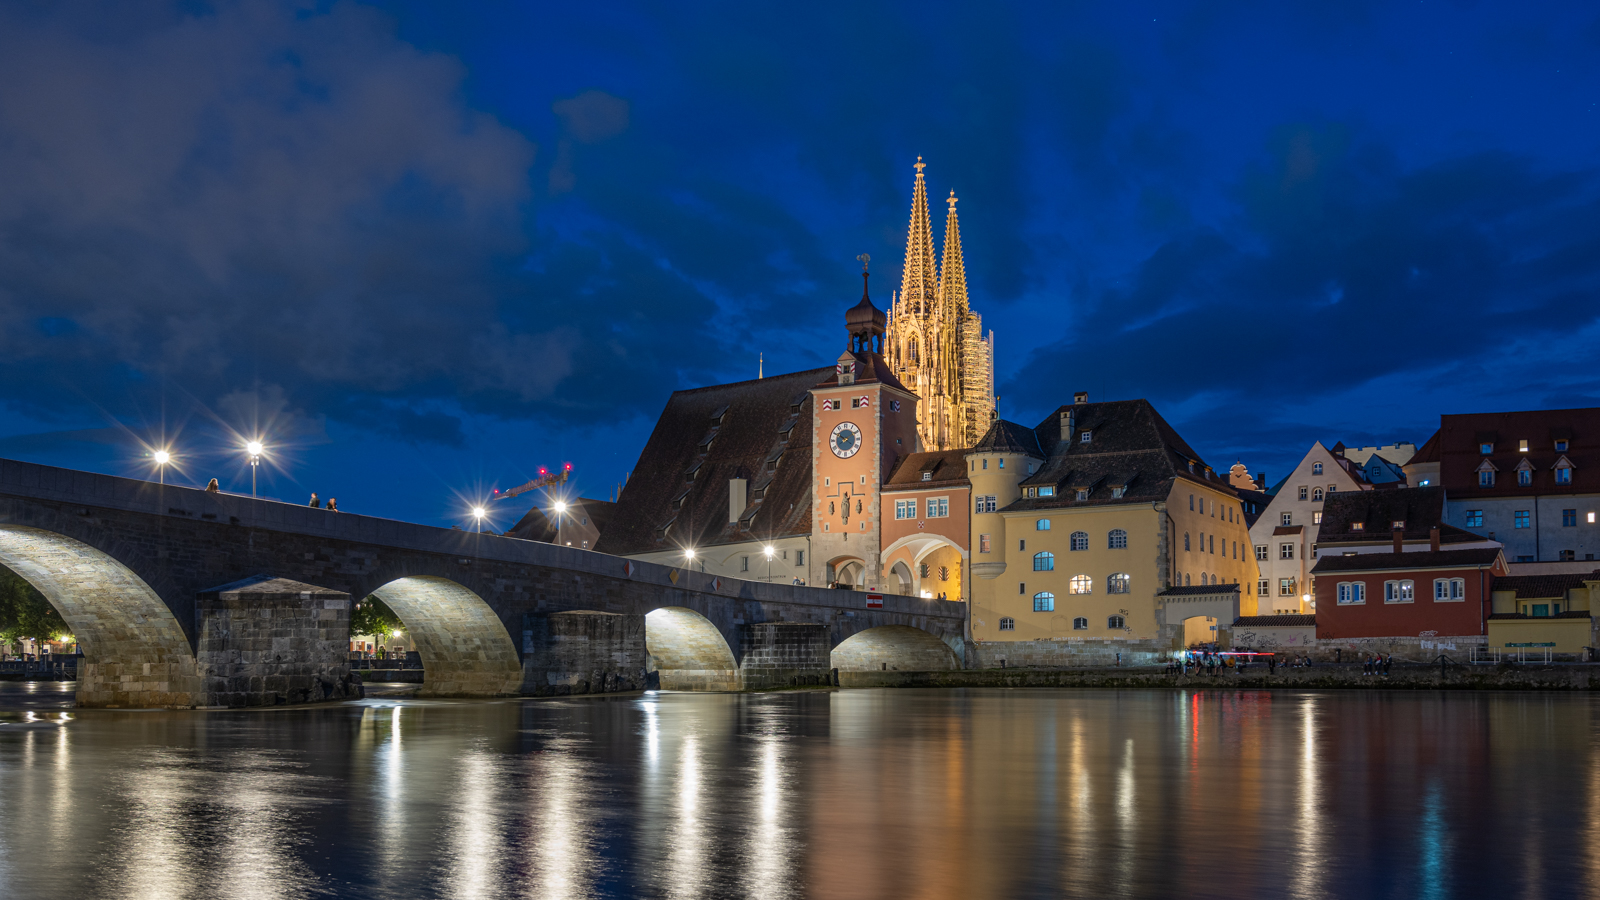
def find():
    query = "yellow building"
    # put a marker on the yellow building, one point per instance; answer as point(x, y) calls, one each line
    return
point(1103, 523)
point(1535, 613)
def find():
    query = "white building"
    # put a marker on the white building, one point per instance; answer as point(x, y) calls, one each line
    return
point(1285, 535)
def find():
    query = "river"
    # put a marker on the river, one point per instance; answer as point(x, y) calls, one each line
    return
point(827, 794)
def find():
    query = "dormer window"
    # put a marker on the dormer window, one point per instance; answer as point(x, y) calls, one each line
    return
point(1085, 437)
point(1563, 469)
point(1030, 468)
point(1522, 446)
point(1524, 473)
point(1047, 492)
point(1358, 526)
point(1561, 446)
point(1398, 524)
point(1083, 495)
point(1117, 492)
point(1486, 448)
point(927, 476)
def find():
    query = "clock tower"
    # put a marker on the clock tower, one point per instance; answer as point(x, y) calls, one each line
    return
point(863, 422)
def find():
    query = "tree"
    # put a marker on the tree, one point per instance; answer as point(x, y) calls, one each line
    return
point(373, 616)
point(25, 613)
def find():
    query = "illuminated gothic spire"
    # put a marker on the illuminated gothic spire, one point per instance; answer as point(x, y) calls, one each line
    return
point(919, 286)
point(952, 271)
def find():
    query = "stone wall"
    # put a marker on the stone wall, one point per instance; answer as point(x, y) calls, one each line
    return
point(1402, 677)
point(582, 653)
point(270, 641)
point(1067, 654)
point(783, 654)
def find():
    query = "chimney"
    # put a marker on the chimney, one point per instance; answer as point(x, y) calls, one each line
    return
point(1399, 541)
point(1080, 397)
point(737, 498)
point(1433, 539)
point(1068, 418)
point(1261, 481)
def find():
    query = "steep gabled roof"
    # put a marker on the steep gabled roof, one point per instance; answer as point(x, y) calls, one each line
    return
point(763, 436)
point(536, 524)
point(945, 468)
point(1009, 437)
point(1476, 558)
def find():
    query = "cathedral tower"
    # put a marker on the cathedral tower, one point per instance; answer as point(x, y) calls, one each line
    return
point(935, 343)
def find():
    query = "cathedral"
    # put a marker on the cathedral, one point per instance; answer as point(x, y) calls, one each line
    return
point(935, 344)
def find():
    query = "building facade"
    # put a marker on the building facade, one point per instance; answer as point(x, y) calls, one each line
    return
point(1283, 536)
point(1434, 593)
point(927, 517)
point(935, 343)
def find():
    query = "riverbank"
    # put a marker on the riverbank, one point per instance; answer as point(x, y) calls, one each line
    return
point(1503, 677)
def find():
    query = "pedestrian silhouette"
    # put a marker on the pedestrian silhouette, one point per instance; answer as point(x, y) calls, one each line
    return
point(212, 487)
point(333, 504)
point(315, 503)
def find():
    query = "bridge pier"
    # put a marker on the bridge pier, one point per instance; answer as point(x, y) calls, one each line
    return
point(583, 653)
point(783, 654)
point(268, 641)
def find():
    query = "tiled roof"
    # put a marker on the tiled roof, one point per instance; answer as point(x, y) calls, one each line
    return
point(1427, 453)
point(1130, 446)
point(1274, 621)
point(1199, 590)
point(1460, 457)
point(536, 524)
point(870, 369)
point(1009, 437)
point(947, 467)
point(1529, 587)
point(1421, 509)
point(764, 436)
point(1477, 557)
point(1259, 499)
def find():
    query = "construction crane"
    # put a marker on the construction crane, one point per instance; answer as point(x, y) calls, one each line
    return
point(546, 479)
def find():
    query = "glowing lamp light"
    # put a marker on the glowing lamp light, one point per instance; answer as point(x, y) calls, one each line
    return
point(254, 448)
point(769, 551)
point(479, 512)
point(688, 553)
point(398, 632)
point(560, 507)
point(161, 457)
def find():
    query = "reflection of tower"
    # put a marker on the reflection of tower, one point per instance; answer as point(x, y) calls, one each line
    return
point(935, 343)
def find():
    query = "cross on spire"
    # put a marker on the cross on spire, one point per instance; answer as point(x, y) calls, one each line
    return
point(919, 166)
point(952, 201)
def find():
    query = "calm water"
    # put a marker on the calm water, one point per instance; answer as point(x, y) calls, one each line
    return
point(895, 793)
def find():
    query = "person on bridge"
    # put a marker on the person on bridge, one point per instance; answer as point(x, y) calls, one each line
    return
point(212, 487)
point(315, 503)
point(333, 504)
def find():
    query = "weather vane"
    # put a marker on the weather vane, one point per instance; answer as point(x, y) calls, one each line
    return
point(864, 259)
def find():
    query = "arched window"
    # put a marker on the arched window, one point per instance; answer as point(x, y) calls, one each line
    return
point(1115, 622)
point(1080, 624)
point(1186, 579)
point(1080, 540)
point(1191, 503)
point(911, 351)
point(1117, 539)
point(1117, 583)
point(1186, 540)
point(1044, 601)
point(1008, 624)
point(1316, 468)
point(1081, 584)
point(1044, 562)
point(1203, 580)
point(1316, 494)
point(1042, 525)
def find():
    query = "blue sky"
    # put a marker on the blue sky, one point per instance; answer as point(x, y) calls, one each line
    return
point(426, 248)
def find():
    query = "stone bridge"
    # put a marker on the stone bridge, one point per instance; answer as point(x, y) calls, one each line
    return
point(183, 598)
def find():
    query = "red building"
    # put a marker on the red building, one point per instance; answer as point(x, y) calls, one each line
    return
point(1372, 595)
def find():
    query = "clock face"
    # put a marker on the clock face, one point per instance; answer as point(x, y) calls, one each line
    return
point(845, 440)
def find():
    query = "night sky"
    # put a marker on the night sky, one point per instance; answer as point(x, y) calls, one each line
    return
point(426, 248)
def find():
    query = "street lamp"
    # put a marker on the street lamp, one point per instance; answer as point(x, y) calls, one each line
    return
point(560, 509)
point(769, 553)
point(478, 513)
point(254, 448)
point(161, 458)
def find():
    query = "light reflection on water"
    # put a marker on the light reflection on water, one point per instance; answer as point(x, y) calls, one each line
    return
point(918, 794)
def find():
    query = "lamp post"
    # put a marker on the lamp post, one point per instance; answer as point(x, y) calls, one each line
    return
point(161, 458)
point(769, 553)
point(560, 509)
point(478, 513)
point(253, 448)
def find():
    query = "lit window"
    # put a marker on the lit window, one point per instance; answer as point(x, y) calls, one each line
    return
point(1079, 540)
point(1358, 526)
point(1047, 492)
point(1316, 518)
point(1118, 583)
point(1569, 518)
point(1116, 622)
point(1080, 624)
point(1399, 591)
point(1316, 468)
point(1287, 518)
point(983, 543)
point(1044, 601)
point(1522, 446)
point(1042, 525)
point(1474, 518)
point(1521, 516)
point(1080, 584)
point(1008, 624)
point(1286, 587)
point(1485, 449)
point(1261, 551)
point(1044, 562)
point(1286, 551)
point(1117, 539)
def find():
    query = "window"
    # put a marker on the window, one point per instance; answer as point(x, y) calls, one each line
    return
point(1008, 624)
point(1303, 491)
point(1030, 468)
point(1399, 591)
point(1044, 562)
point(1117, 492)
point(1022, 545)
point(1287, 518)
point(1316, 495)
point(1080, 624)
point(1117, 539)
point(938, 507)
point(1116, 623)
point(1521, 518)
point(1191, 503)
point(1332, 488)
point(1286, 587)
point(986, 464)
point(1079, 540)
point(1286, 551)
point(1563, 471)
point(1263, 587)
point(1044, 601)
point(1316, 518)
point(1569, 518)
point(985, 504)
point(922, 570)
point(1083, 495)
point(1528, 558)
point(1486, 448)
point(905, 509)
point(1351, 592)
point(1084, 438)
point(1047, 492)
point(799, 557)
point(1449, 589)
point(1214, 545)
point(1261, 551)
point(1522, 446)
point(1358, 526)
point(1185, 580)
point(1524, 477)
point(1561, 446)
point(1316, 468)
point(983, 543)
point(1186, 540)
point(744, 563)
point(1080, 584)
point(1118, 583)
point(1474, 518)
point(1042, 525)
point(1002, 462)
point(1486, 478)
point(1568, 555)
point(927, 476)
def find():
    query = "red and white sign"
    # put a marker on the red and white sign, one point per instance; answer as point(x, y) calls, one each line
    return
point(874, 601)
point(866, 401)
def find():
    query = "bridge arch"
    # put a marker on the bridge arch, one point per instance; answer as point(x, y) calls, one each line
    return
point(135, 653)
point(893, 648)
point(465, 648)
point(688, 651)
